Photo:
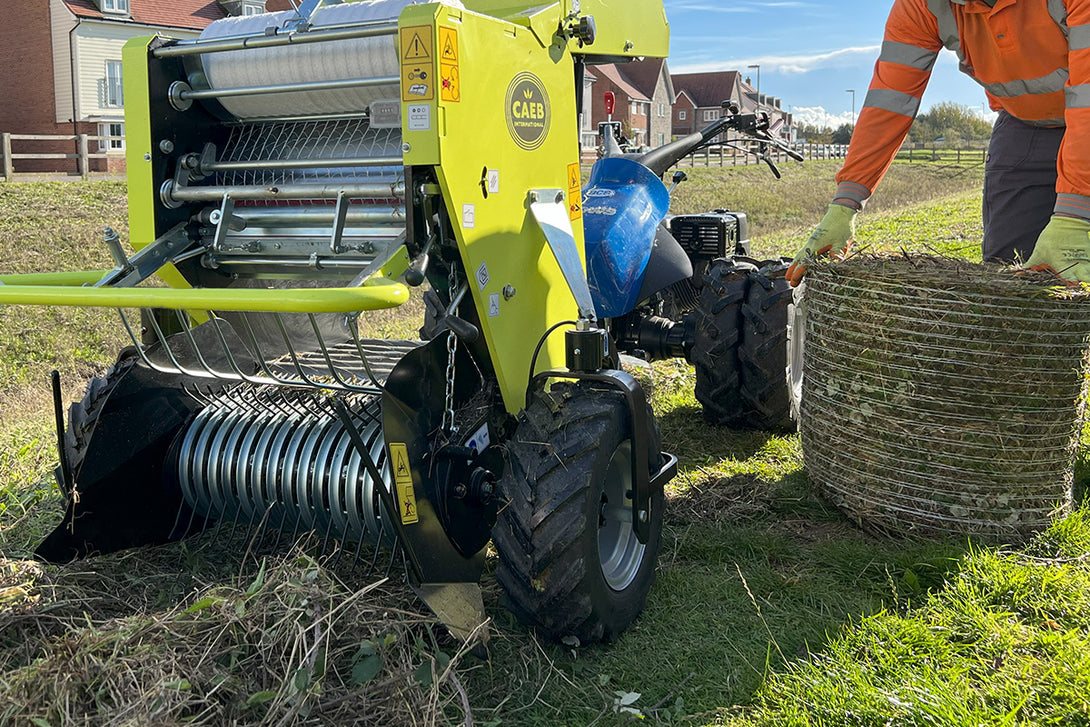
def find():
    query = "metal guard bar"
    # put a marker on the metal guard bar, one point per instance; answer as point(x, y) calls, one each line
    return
point(376, 293)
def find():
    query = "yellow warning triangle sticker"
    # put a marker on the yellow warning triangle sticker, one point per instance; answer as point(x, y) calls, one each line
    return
point(402, 468)
point(417, 49)
point(573, 177)
point(449, 51)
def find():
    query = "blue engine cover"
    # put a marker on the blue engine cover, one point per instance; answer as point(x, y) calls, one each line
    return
point(623, 204)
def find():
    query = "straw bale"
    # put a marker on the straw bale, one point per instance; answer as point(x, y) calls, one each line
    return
point(943, 396)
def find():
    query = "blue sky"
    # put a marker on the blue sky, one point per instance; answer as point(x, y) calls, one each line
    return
point(809, 51)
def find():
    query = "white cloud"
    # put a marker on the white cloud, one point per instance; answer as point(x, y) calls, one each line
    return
point(842, 58)
point(819, 117)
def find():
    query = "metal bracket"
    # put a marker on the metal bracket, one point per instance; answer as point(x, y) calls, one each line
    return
point(149, 260)
point(340, 218)
point(643, 482)
point(549, 209)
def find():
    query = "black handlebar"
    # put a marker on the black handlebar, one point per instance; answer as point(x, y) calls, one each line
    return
point(753, 125)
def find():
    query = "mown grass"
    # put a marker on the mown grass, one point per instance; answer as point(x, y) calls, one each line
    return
point(770, 607)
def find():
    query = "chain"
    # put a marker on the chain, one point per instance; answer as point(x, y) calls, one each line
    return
point(452, 349)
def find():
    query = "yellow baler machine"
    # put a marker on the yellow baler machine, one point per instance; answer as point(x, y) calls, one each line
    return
point(290, 172)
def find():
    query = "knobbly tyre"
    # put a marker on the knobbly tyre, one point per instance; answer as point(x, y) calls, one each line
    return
point(685, 286)
point(288, 173)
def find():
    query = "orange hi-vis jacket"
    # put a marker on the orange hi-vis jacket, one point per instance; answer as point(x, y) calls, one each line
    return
point(1031, 56)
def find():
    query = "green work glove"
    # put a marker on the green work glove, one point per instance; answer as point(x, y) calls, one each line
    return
point(1063, 248)
point(833, 235)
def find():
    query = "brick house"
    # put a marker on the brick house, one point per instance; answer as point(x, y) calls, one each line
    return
point(644, 95)
point(63, 67)
point(700, 97)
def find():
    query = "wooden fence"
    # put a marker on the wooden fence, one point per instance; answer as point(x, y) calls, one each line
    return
point(730, 156)
point(82, 153)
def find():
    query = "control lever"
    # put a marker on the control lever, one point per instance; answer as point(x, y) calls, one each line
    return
point(771, 165)
point(445, 318)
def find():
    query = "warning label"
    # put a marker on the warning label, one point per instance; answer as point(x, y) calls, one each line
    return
point(575, 193)
point(448, 45)
point(450, 87)
point(417, 63)
point(403, 479)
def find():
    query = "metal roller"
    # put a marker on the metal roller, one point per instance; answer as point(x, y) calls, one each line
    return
point(285, 468)
point(367, 67)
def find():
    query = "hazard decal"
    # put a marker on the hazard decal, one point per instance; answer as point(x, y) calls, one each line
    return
point(403, 480)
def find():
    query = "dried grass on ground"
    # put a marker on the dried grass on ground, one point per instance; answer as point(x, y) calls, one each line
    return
point(291, 644)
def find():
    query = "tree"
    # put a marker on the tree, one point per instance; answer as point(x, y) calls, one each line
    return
point(843, 134)
point(814, 134)
point(950, 121)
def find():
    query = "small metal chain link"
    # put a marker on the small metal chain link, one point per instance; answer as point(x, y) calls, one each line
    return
point(452, 349)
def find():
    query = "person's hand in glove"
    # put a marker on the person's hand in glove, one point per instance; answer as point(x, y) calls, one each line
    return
point(1063, 248)
point(833, 235)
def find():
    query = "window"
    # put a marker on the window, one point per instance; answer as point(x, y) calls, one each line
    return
point(662, 139)
point(248, 9)
point(113, 95)
point(682, 115)
point(633, 108)
point(116, 140)
point(711, 114)
point(115, 6)
point(662, 109)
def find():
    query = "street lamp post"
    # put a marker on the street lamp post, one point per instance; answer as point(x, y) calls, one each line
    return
point(852, 92)
point(758, 67)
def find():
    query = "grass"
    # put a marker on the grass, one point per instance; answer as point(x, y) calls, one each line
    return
point(770, 607)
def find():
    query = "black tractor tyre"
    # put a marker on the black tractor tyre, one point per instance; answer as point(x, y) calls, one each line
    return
point(762, 352)
point(718, 336)
point(83, 414)
point(569, 561)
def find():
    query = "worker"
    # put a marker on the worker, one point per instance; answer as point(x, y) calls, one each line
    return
point(1033, 59)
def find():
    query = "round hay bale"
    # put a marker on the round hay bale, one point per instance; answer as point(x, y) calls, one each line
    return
point(943, 396)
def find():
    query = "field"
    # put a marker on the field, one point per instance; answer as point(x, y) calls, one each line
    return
point(770, 607)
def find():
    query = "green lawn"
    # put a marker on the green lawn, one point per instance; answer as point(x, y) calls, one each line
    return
point(770, 607)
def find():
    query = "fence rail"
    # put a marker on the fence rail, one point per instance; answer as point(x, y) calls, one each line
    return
point(732, 156)
point(82, 153)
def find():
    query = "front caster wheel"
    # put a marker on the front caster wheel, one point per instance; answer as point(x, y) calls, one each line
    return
point(570, 563)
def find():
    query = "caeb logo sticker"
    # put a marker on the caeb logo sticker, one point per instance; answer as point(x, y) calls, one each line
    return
point(527, 111)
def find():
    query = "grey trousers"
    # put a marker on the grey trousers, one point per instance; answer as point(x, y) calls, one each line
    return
point(1019, 187)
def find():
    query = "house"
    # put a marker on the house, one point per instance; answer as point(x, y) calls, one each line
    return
point(644, 93)
point(62, 61)
point(700, 97)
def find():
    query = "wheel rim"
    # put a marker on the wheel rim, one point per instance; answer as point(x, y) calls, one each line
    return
point(620, 552)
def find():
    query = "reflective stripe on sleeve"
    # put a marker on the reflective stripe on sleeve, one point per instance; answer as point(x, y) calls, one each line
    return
point(907, 55)
point(1076, 205)
point(853, 191)
point(892, 101)
point(1079, 39)
point(1078, 97)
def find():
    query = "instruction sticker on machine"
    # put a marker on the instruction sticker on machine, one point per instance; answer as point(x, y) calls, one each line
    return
point(403, 480)
point(417, 63)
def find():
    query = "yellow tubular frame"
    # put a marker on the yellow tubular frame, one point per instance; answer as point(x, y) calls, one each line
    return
point(66, 289)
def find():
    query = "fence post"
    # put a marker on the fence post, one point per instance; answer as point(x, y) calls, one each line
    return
point(9, 166)
point(84, 162)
